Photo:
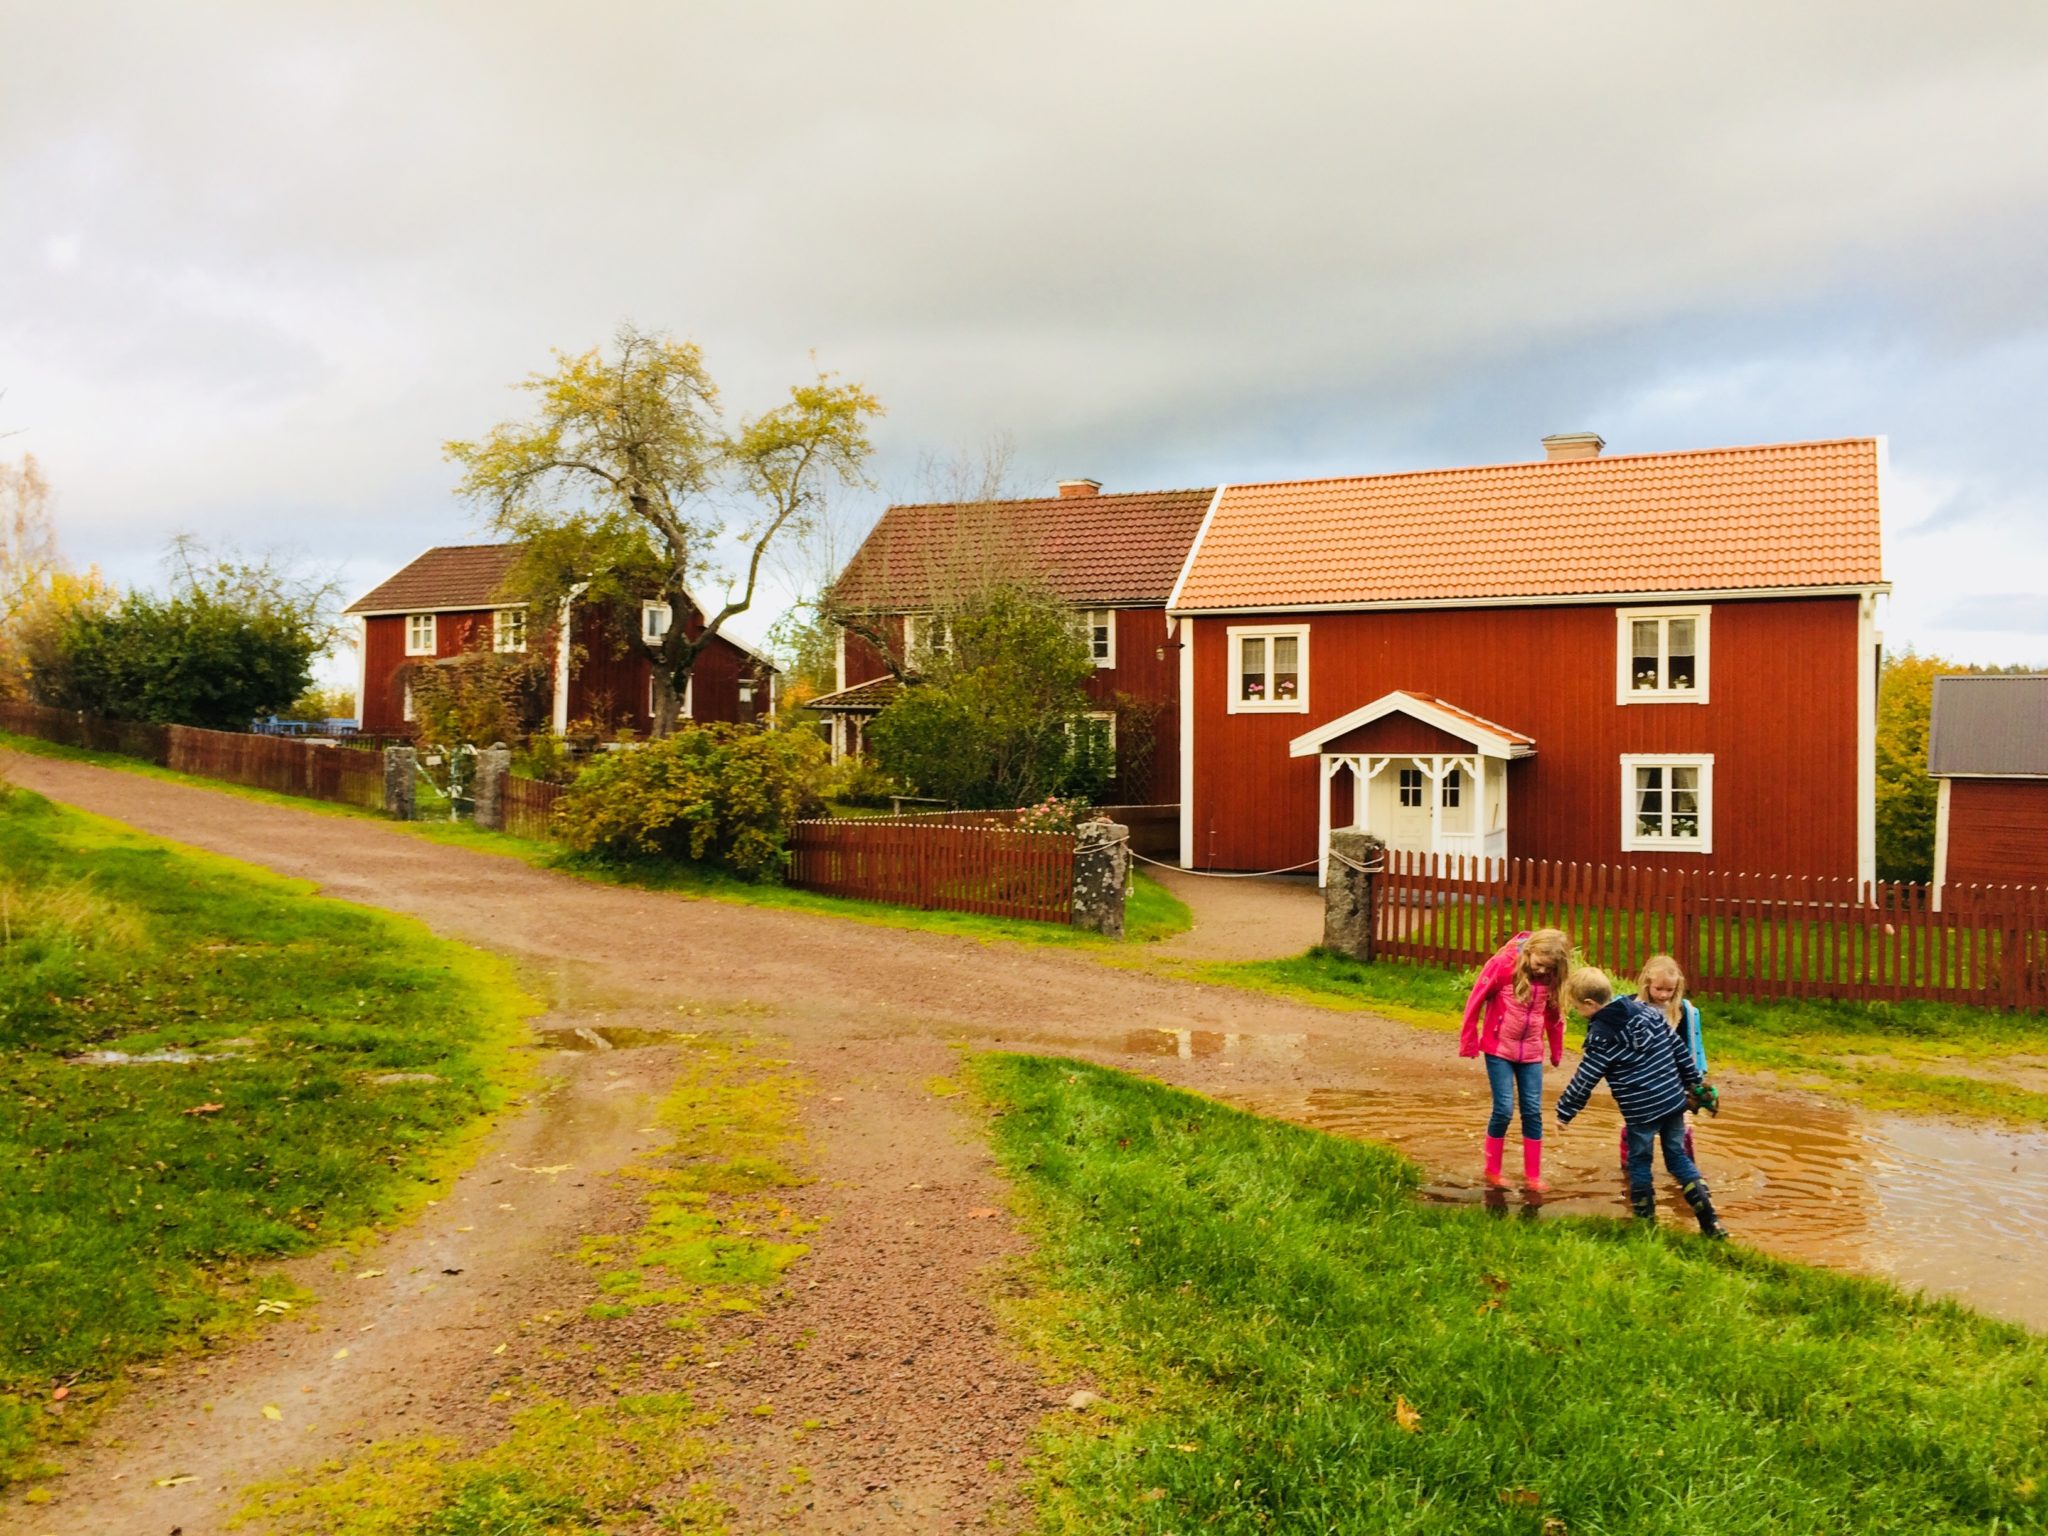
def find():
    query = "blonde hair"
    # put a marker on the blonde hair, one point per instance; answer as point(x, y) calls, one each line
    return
point(1588, 984)
point(1664, 965)
point(1550, 945)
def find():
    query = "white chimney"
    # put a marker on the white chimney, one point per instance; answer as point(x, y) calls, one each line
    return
point(1573, 445)
point(1080, 487)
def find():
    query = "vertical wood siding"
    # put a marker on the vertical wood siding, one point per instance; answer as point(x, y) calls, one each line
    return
point(1997, 832)
point(1781, 725)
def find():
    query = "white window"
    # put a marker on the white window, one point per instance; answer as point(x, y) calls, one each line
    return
point(925, 636)
point(1667, 803)
point(1098, 628)
point(1411, 786)
point(419, 636)
point(689, 693)
point(1269, 670)
point(1661, 655)
point(655, 619)
point(508, 629)
point(746, 691)
point(1454, 788)
point(1100, 726)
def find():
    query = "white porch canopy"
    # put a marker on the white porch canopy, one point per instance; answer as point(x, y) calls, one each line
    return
point(1465, 792)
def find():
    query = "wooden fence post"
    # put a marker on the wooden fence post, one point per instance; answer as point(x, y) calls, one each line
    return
point(1684, 939)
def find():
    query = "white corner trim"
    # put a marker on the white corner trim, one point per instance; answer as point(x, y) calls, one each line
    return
point(1625, 690)
point(362, 671)
point(1233, 659)
point(839, 663)
point(1630, 761)
point(564, 619)
point(1187, 747)
point(1187, 565)
point(1866, 735)
point(1940, 840)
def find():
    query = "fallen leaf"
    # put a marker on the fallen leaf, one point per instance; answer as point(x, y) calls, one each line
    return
point(272, 1411)
point(369, 1274)
point(1406, 1416)
point(1185, 1446)
point(1552, 1526)
point(270, 1305)
point(341, 1354)
point(465, 1229)
point(206, 1109)
point(981, 1213)
point(176, 1482)
point(499, 1350)
point(1495, 1284)
point(1151, 1495)
point(60, 1394)
point(1529, 1498)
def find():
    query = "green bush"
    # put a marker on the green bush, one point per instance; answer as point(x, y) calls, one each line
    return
point(715, 794)
point(857, 781)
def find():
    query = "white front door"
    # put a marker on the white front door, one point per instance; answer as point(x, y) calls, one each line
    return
point(1408, 791)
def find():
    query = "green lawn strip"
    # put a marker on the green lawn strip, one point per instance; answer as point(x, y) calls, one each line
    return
point(1884, 1055)
point(717, 1237)
point(1287, 1339)
point(1151, 914)
point(352, 1058)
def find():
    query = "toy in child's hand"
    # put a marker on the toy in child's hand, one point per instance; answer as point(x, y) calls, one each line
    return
point(1706, 1097)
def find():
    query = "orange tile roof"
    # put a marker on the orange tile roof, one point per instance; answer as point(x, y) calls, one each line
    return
point(451, 576)
point(1787, 515)
point(1468, 717)
point(1108, 550)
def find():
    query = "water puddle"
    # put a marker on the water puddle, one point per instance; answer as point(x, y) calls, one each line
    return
point(605, 1037)
point(1194, 1044)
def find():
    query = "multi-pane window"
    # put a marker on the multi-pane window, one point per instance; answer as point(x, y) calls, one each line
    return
point(925, 636)
point(1667, 802)
point(1454, 789)
point(508, 629)
point(1269, 670)
point(419, 634)
point(1663, 656)
point(1098, 628)
point(1411, 787)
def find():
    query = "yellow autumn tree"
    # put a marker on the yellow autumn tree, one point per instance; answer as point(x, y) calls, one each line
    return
point(38, 591)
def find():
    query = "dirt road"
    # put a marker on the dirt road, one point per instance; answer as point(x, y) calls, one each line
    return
point(929, 1415)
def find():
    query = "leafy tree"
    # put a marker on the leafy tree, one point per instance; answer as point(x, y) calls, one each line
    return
point(625, 482)
point(477, 698)
point(996, 715)
point(38, 591)
point(1905, 794)
point(235, 639)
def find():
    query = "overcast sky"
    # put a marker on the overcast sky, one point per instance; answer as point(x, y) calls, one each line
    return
point(257, 262)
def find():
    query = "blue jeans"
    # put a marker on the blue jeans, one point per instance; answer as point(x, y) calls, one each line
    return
point(1642, 1142)
point(1512, 1080)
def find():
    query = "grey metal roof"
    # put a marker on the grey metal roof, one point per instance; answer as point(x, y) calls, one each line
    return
point(1996, 724)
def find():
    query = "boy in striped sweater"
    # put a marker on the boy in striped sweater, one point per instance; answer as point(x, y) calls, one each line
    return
point(1651, 1072)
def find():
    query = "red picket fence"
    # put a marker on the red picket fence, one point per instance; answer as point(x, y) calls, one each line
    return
point(990, 870)
point(1735, 935)
point(315, 769)
point(530, 808)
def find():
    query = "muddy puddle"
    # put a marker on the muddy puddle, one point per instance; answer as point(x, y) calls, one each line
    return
point(605, 1037)
point(1955, 1209)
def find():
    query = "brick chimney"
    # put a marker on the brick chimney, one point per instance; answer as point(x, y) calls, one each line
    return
point(1080, 488)
point(1573, 445)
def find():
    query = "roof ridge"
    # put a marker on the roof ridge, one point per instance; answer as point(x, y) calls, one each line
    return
point(1025, 501)
point(1614, 458)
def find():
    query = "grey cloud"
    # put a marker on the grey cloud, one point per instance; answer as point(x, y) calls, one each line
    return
point(2017, 613)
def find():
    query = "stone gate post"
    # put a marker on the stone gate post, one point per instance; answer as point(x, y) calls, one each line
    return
point(1355, 858)
point(401, 768)
point(493, 765)
point(1102, 870)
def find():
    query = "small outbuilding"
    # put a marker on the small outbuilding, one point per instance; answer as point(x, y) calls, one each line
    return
point(1987, 743)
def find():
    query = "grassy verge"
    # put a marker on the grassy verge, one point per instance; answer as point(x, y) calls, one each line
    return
point(1287, 1339)
point(1915, 1057)
point(603, 1448)
point(324, 1064)
point(1151, 915)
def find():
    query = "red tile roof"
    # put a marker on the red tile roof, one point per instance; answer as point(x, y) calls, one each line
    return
point(870, 697)
point(1108, 550)
point(1789, 515)
point(452, 576)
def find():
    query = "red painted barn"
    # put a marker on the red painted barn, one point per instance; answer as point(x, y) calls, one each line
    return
point(1114, 558)
point(1987, 743)
point(451, 601)
point(1662, 659)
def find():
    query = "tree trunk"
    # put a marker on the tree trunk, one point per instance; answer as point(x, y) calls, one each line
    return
point(668, 707)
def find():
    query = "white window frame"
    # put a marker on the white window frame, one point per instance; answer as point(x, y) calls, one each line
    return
point(1633, 841)
point(688, 710)
point(1108, 718)
point(1420, 786)
point(508, 629)
point(1237, 634)
point(648, 634)
point(1450, 788)
point(414, 623)
point(1108, 628)
point(1625, 689)
point(918, 629)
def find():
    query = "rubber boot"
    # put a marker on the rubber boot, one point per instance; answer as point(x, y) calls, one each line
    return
point(1643, 1202)
point(1495, 1146)
point(1702, 1203)
point(1532, 1166)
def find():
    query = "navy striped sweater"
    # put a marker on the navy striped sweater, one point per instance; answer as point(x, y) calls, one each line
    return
point(1647, 1064)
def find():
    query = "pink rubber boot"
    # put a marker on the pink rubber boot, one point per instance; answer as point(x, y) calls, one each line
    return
point(1532, 1166)
point(1495, 1146)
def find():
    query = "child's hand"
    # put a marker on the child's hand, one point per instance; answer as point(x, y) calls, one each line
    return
point(1705, 1097)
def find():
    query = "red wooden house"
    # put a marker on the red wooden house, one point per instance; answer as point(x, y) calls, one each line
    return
point(1987, 744)
point(451, 600)
point(1113, 557)
point(1663, 659)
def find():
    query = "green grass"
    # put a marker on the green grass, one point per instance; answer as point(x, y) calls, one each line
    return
point(136, 1197)
point(1287, 1339)
point(1151, 914)
point(1900, 1056)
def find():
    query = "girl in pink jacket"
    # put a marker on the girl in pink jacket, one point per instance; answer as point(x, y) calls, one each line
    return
point(1512, 1019)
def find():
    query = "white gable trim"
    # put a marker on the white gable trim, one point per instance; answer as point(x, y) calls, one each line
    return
point(1492, 742)
point(1208, 517)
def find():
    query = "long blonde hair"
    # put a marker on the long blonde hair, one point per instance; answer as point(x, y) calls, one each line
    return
point(1551, 946)
point(1664, 965)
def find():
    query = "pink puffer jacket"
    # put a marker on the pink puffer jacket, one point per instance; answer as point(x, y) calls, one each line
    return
point(1487, 1008)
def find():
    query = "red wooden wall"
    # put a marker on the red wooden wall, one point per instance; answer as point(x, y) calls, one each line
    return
point(1781, 725)
point(1997, 832)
